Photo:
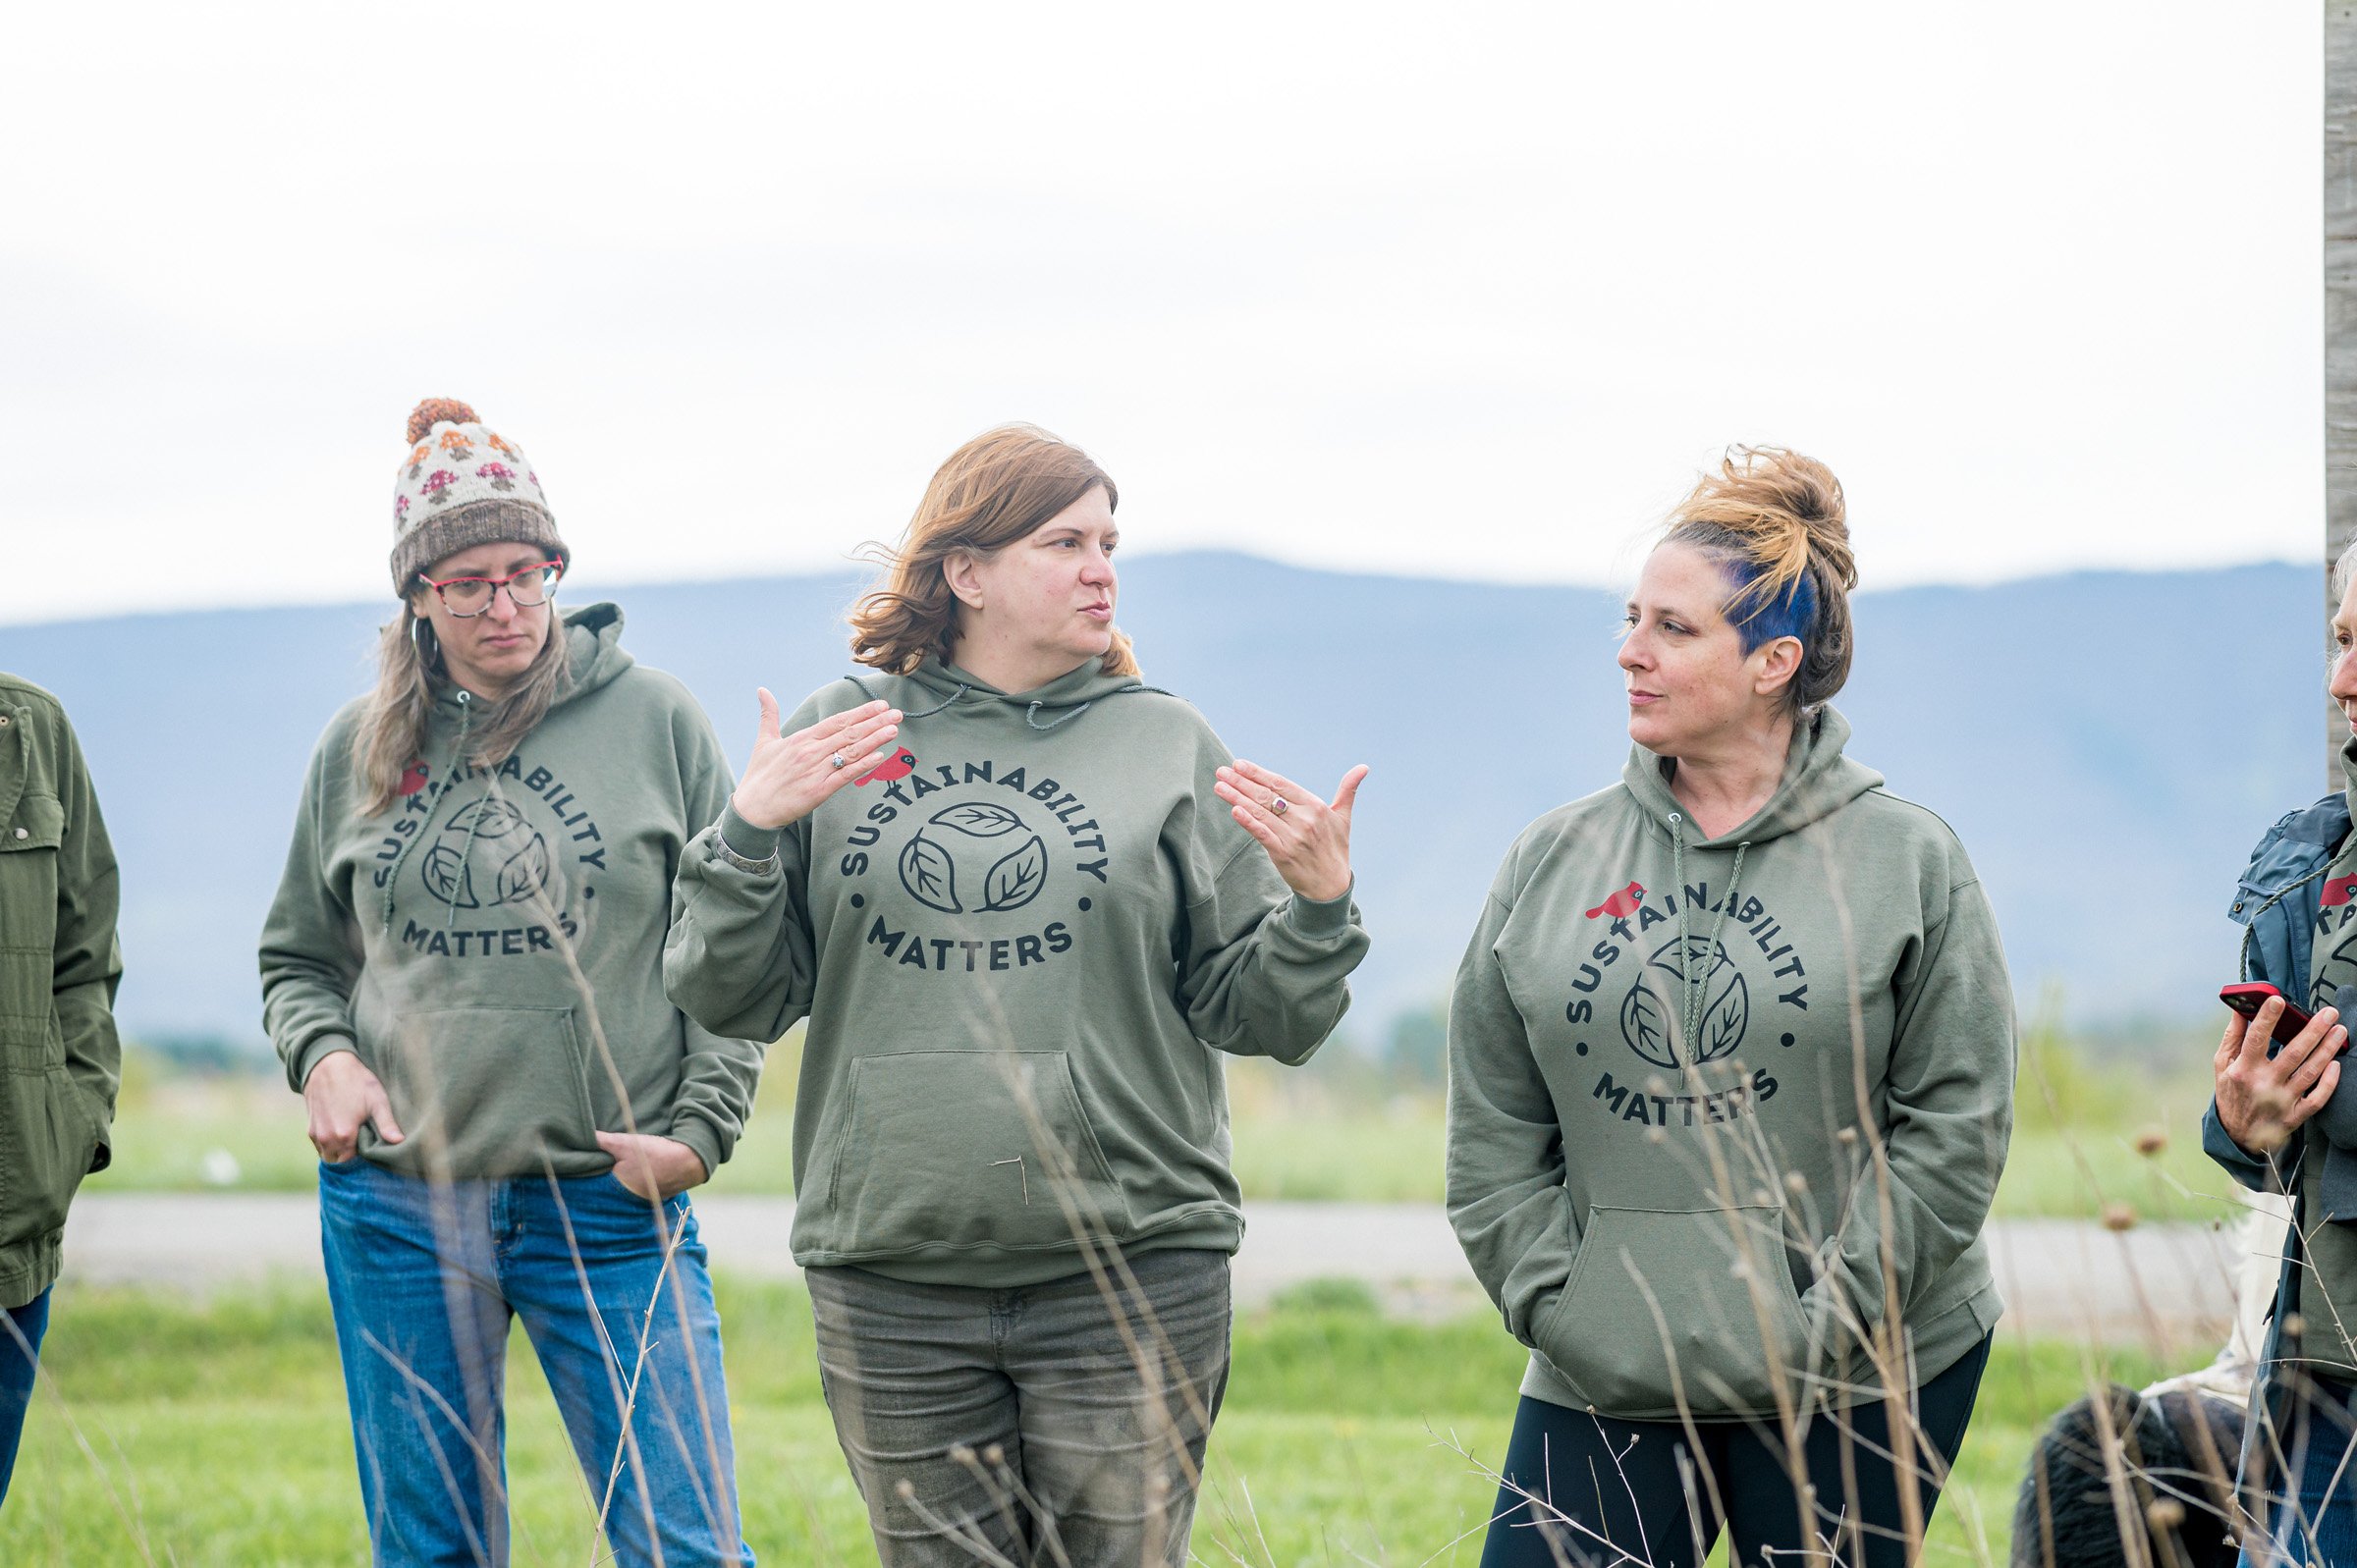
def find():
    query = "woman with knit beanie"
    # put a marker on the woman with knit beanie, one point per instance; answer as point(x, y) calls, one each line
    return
point(1025, 902)
point(1731, 1078)
point(462, 973)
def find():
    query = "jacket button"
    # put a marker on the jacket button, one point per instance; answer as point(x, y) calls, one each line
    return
point(2238, 906)
point(24, 833)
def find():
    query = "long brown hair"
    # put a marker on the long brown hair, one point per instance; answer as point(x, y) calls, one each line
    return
point(1779, 525)
point(993, 491)
point(392, 732)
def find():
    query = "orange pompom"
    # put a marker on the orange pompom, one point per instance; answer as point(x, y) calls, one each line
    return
point(433, 412)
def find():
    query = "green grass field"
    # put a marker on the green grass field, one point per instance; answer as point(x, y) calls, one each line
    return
point(215, 1434)
point(1313, 1134)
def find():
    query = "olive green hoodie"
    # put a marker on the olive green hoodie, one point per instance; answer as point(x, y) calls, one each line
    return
point(59, 964)
point(439, 939)
point(1677, 1064)
point(1021, 947)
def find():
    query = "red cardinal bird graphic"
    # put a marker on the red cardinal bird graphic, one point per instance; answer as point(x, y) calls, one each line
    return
point(896, 766)
point(413, 779)
point(2339, 890)
point(1622, 904)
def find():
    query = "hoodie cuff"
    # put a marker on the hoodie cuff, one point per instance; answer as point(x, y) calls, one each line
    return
point(745, 842)
point(1323, 919)
point(697, 1134)
point(318, 1051)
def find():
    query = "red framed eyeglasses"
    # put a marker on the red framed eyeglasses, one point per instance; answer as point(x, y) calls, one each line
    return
point(528, 587)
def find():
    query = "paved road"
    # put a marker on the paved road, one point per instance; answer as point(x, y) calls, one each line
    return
point(2168, 1284)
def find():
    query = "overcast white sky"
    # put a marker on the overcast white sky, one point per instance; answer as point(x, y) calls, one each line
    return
point(1467, 290)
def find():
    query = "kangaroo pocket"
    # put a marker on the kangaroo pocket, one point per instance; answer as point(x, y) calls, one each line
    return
point(46, 1141)
point(495, 1087)
point(941, 1149)
point(1666, 1305)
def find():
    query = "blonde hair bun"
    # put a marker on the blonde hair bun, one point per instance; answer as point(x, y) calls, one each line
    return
point(1779, 523)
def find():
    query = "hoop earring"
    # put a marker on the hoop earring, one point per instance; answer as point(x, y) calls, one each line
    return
point(424, 639)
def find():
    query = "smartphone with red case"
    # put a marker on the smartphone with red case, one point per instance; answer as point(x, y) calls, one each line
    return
point(2247, 1000)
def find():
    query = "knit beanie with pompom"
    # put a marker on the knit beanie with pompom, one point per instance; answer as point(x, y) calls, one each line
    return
point(463, 486)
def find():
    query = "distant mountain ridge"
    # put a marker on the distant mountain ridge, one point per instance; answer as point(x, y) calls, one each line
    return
point(2107, 744)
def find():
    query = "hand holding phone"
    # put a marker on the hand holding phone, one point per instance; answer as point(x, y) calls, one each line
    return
point(2247, 1000)
point(2277, 1068)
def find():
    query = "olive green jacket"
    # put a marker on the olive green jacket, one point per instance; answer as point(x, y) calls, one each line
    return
point(59, 964)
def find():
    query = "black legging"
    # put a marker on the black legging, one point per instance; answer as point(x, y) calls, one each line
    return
point(1613, 1495)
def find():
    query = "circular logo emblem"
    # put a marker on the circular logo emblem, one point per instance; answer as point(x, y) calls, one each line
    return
point(1651, 1017)
point(503, 841)
point(974, 857)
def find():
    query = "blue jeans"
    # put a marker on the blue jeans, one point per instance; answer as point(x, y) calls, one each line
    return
point(20, 1364)
point(424, 1279)
point(2322, 1530)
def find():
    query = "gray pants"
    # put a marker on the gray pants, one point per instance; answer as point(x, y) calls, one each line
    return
point(1047, 1424)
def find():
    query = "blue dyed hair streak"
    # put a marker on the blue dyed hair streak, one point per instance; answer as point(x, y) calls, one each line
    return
point(1763, 617)
point(1774, 524)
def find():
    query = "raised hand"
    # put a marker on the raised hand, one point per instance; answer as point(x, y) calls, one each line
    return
point(1307, 839)
point(790, 775)
point(2260, 1098)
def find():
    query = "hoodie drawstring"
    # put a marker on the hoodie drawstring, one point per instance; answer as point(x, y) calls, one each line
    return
point(905, 714)
point(1031, 716)
point(1694, 976)
point(457, 755)
point(2250, 928)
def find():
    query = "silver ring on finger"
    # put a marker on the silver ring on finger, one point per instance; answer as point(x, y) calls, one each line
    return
point(838, 760)
point(1277, 805)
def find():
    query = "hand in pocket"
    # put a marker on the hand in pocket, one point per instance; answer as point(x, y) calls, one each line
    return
point(655, 1169)
point(341, 1094)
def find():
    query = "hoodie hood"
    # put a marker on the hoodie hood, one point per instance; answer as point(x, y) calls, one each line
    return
point(592, 647)
point(1060, 701)
point(1818, 781)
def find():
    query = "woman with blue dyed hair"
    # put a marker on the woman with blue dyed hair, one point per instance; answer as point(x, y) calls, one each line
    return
point(1730, 1088)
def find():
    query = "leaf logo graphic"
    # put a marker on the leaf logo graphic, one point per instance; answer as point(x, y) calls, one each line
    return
point(1651, 1021)
point(979, 817)
point(960, 849)
point(1016, 878)
point(488, 832)
point(1675, 955)
point(1729, 1015)
point(524, 873)
point(930, 876)
point(448, 879)
point(1645, 1026)
point(487, 818)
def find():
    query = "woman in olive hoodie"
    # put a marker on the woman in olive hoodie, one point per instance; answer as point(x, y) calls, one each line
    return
point(1730, 1082)
point(462, 973)
point(1025, 902)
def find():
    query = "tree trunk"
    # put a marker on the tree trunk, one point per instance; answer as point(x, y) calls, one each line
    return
point(2341, 316)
